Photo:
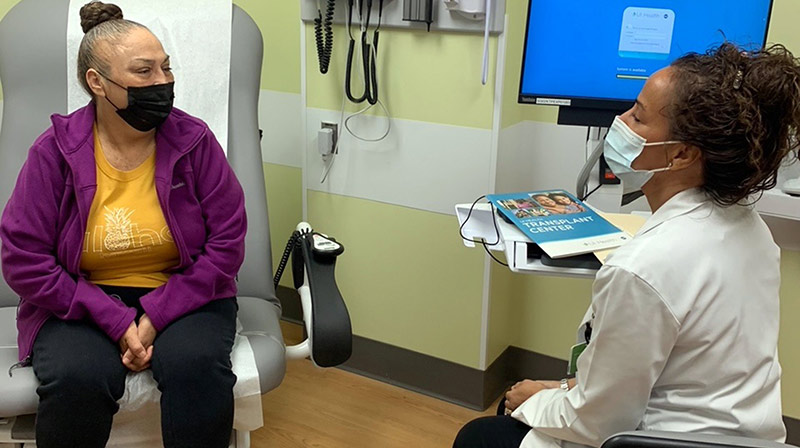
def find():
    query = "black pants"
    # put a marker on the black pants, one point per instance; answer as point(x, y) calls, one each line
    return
point(82, 377)
point(500, 431)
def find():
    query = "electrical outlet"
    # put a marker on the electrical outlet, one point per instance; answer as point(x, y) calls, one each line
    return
point(335, 128)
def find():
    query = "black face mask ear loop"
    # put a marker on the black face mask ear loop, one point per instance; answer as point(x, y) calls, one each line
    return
point(112, 82)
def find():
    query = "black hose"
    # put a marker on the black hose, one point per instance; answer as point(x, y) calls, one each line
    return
point(372, 96)
point(348, 73)
point(368, 58)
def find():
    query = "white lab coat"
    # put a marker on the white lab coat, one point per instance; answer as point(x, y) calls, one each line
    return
point(685, 334)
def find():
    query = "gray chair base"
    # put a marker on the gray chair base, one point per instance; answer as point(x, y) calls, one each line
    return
point(664, 439)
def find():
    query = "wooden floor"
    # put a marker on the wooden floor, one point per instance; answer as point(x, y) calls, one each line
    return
point(332, 408)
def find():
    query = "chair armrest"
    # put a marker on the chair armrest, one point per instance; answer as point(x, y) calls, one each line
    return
point(664, 439)
point(325, 315)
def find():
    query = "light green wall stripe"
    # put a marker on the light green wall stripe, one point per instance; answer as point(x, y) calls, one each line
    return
point(433, 77)
point(503, 320)
point(5, 6)
point(513, 112)
point(535, 312)
point(405, 276)
point(550, 310)
point(279, 21)
point(783, 24)
point(790, 332)
point(285, 208)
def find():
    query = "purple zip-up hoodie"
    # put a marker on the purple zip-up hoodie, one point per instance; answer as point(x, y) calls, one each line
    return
point(44, 224)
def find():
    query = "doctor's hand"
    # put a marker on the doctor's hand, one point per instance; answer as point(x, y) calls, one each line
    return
point(522, 391)
point(550, 384)
point(133, 352)
point(557, 384)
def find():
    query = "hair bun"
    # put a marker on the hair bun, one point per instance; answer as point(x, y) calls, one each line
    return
point(95, 13)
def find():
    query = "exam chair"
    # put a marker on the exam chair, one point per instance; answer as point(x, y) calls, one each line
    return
point(33, 71)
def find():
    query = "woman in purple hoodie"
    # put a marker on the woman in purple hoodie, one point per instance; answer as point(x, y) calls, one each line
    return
point(123, 238)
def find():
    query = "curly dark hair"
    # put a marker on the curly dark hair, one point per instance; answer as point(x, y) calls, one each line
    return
point(742, 110)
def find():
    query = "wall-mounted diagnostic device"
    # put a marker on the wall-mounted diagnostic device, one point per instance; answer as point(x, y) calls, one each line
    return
point(418, 11)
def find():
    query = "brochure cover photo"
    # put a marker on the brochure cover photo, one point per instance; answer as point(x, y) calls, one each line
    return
point(559, 223)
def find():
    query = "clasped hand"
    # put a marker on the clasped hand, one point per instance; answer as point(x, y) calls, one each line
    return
point(525, 389)
point(136, 345)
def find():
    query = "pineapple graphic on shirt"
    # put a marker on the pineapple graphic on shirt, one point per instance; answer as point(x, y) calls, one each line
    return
point(119, 230)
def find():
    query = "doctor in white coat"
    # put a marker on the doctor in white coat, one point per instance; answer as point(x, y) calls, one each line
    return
point(684, 318)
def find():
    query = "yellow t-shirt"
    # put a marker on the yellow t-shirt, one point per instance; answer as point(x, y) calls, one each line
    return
point(127, 241)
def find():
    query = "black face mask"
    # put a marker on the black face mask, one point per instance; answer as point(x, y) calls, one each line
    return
point(148, 107)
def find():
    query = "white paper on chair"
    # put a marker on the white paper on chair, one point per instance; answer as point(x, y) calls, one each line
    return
point(142, 395)
point(196, 35)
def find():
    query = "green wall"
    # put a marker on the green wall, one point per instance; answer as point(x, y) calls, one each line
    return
point(783, 24)
point(537, 313)
point(405, 276)
point(790, 331)
point(433, 77)
point(513, 113)
point(5, 6)
point(279, 21)
point(285, 209)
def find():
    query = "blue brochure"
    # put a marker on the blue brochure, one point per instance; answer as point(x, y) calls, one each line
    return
point(559, 223)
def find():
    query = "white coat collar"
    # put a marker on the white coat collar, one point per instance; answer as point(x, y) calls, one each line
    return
point(680, 204)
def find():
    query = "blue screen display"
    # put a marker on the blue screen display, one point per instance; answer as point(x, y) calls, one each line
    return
point(606, 49)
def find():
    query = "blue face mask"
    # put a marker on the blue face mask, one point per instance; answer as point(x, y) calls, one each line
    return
point(621, 148)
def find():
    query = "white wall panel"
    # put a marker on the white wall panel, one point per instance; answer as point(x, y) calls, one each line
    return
point(421, 165)
point(280, 117)
point(539, 156)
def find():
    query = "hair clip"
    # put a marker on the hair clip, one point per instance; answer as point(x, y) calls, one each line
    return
point(737, 82)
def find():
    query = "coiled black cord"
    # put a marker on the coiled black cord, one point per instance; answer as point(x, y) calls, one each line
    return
point(323, 33)
point(294, 241)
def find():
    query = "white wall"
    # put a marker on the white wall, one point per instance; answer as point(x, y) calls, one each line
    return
point(539, 156)
point(421, 165)
point(278, 116)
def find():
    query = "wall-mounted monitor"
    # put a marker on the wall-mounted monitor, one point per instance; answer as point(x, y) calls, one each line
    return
point(592, 57)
